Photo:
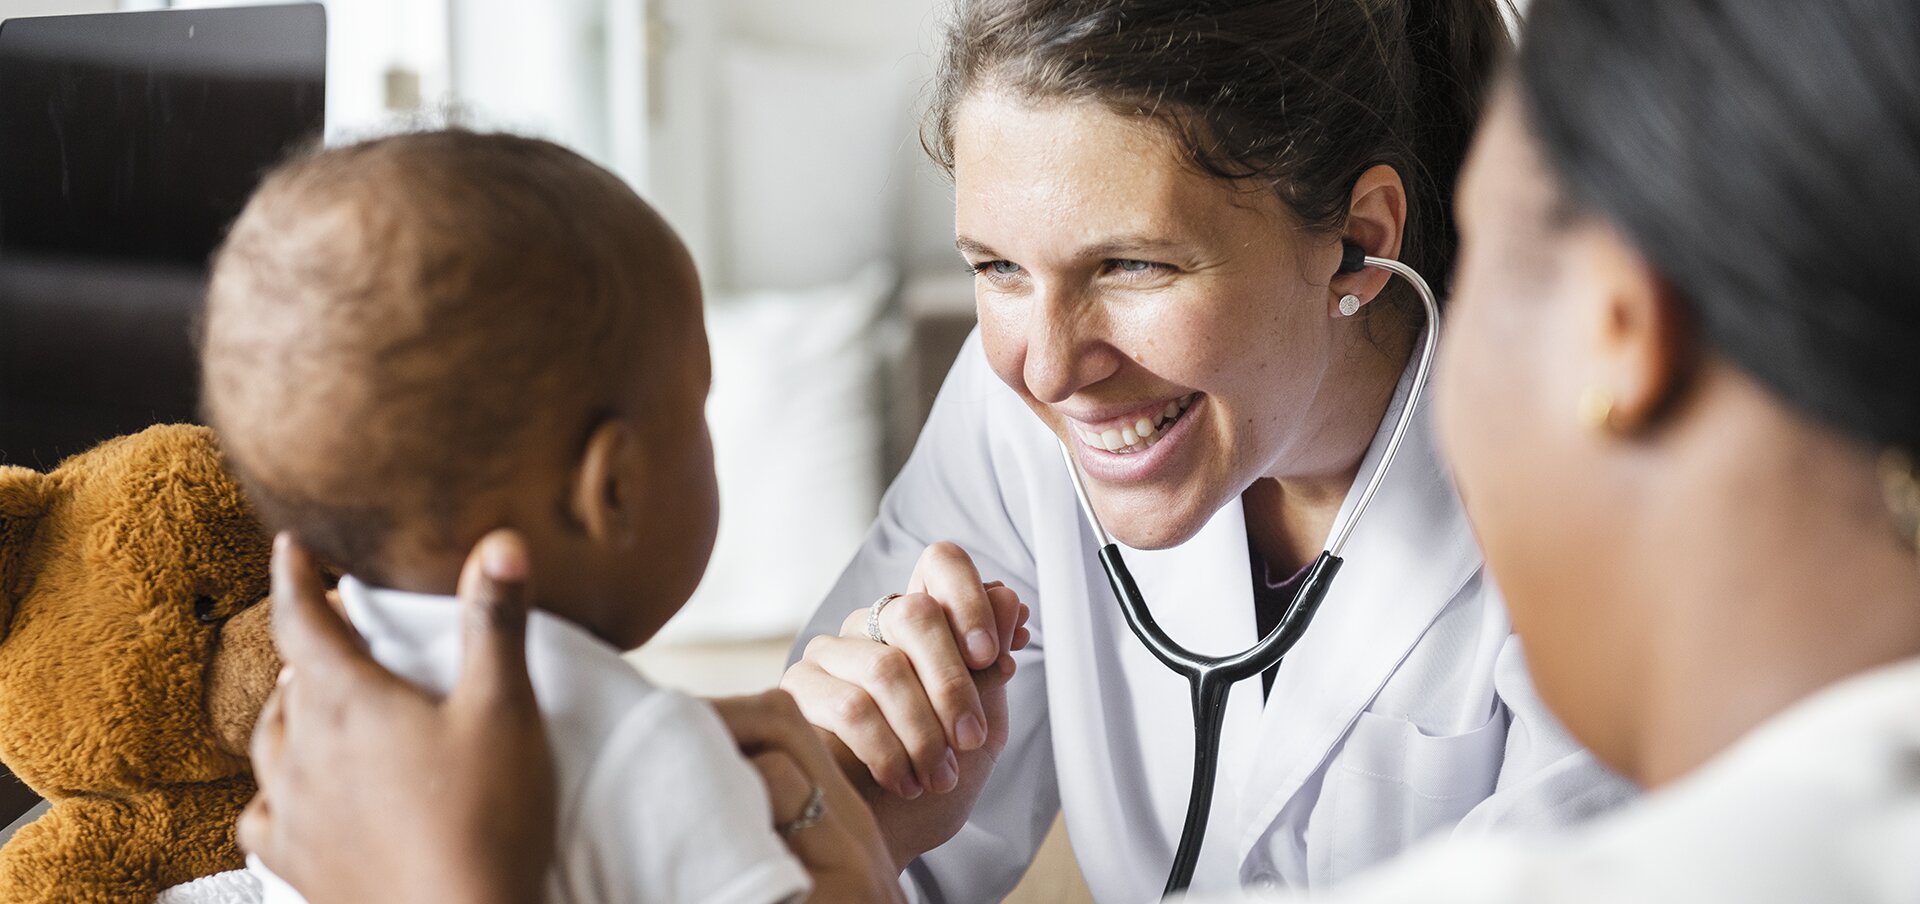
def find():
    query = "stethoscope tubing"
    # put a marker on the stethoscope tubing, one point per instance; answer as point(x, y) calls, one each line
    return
point(1211, 678)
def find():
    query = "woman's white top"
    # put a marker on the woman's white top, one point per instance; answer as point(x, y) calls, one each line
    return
point(1820, 804)
point(1405, 710)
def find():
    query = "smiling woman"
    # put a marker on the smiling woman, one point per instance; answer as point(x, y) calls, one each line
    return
point(1118, 284)
point(1155, 199)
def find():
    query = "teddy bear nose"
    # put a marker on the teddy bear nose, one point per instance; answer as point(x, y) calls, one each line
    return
point(206, 609)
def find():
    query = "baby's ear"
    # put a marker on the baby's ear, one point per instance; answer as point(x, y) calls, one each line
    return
point(24, 497)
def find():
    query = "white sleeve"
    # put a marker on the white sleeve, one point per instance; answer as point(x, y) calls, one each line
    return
point(1547, 780)
point(240, 886)
point(671, 813)
point(956, 486)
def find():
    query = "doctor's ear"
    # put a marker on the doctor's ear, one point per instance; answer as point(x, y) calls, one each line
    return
point(607, 491)
point(1376, 222)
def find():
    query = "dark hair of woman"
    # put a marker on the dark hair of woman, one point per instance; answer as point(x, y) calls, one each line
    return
point(1808, 278)
point(1300, 96)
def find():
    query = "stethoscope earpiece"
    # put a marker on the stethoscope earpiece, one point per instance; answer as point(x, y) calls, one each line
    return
point(1353, 258)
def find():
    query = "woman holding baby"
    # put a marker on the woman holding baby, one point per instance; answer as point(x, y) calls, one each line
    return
point(1674, 392)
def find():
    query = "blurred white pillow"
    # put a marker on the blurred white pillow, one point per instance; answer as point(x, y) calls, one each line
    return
point(809, 143)
point(796, 422)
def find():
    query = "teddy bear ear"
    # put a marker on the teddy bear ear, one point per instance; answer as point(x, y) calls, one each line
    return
point(24, 497)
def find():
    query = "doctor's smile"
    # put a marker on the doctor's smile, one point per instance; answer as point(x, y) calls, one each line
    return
point(1137, 445)
point(1136, 430)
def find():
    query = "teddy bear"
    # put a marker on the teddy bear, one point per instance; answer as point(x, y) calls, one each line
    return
point(135, 654)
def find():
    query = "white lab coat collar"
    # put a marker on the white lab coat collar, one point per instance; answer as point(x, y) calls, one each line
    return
point(1410, 555)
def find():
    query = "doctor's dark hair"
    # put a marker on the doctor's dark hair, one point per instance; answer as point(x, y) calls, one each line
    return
point(1299, 96)
point(1765, 158)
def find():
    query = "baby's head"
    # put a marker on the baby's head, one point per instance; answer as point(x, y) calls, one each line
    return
point(412, 341)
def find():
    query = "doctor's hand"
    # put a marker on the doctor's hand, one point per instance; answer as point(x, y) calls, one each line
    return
point(371, 791)
point(920, 718)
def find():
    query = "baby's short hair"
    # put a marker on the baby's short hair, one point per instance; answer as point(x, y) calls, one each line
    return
point(397, 329)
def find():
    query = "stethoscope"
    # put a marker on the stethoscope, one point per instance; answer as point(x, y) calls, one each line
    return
point(1211, 677)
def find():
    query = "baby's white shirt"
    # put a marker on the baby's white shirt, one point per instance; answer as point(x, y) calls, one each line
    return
point(657, 806)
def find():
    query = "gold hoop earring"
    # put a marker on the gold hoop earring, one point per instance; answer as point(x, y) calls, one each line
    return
point(1596, 410)
point(1900, 482)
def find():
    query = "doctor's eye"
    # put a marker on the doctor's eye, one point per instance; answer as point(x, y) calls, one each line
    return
point(998, 271)
point(1129, 268)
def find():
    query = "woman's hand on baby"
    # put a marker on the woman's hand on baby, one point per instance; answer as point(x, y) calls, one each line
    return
point(842, 849)
point(372, 791)
point(925, 712)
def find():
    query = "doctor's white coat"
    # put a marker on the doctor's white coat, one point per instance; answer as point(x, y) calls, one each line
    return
point(1404, 711)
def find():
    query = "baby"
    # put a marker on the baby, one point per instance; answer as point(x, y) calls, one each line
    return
point(415, 340)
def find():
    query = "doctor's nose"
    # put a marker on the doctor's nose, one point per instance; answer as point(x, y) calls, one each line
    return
point(1066, 350)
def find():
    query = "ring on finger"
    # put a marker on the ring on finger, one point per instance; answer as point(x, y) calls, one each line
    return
point(873, 618)
point(811, 814)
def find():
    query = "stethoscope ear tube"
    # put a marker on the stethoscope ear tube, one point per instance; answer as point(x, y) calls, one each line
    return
point(1211, 677)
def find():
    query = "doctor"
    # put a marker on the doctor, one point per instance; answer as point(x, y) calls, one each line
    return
point(1154, 199)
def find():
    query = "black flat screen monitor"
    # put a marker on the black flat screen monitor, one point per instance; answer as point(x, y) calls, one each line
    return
point(128, 142)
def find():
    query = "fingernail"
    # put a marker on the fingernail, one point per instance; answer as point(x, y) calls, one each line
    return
point(912, 790)
point(946, 776)
point(969, 733)
point(980, 645)
point(286, 674)
point(500, 561)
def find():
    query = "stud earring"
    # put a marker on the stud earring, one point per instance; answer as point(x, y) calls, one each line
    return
point(1349, 305)
point(1596, 410)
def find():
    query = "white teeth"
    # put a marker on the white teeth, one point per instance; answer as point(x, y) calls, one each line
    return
point(1139, 436)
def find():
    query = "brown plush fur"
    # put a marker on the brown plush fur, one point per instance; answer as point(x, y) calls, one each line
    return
point(133, 659)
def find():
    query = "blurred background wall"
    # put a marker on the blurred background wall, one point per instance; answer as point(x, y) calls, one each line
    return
point(780, 139)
